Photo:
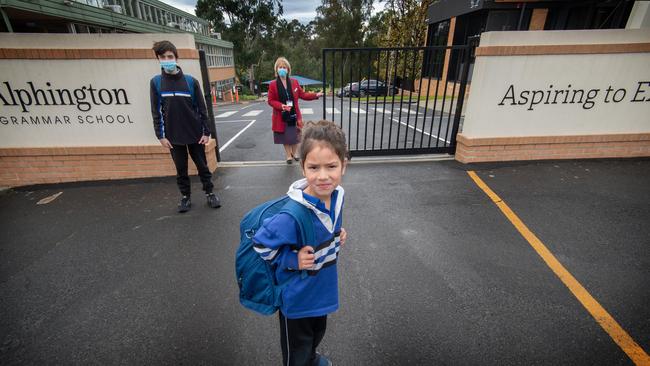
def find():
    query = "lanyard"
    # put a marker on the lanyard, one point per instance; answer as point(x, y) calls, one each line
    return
point(286, 91)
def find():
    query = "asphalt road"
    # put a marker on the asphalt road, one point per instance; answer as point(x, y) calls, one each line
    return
point(432, 273)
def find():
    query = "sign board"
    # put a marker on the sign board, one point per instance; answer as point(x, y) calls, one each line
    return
point(80, 102)
point(558, 94)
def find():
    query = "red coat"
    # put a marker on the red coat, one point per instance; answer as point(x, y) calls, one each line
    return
point(274, 102)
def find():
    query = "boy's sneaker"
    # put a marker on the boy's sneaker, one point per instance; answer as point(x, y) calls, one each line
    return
point(185, 204)
point(322, 360)
point(213, 200)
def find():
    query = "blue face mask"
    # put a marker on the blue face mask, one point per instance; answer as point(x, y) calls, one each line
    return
point(282, 73)
point(169, 66)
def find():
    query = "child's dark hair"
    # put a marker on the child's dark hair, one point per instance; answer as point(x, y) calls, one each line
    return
point(323, 132)
point(159, 48)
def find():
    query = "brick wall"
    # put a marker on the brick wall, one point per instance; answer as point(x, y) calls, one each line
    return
point(451, 86)
point(27, 166)
point(474, 150)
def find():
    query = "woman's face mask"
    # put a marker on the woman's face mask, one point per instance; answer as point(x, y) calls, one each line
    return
point(282, 72)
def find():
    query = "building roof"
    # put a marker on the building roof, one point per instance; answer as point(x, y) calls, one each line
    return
point(116, 17)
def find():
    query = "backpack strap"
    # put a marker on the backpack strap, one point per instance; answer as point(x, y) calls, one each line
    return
point(302, 215)
point(156, 83)
point(190, 84)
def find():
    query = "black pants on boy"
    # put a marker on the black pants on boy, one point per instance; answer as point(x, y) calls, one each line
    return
point(299, 339)
point(197, 152)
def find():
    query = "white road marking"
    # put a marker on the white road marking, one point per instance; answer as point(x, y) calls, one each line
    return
point(382, 110)
point(420, 131)
point(226, 114)
point(307, 110)
point(237, 135)
point(358, 110)
point(248, 106)
point(253, 113)
point(232, 121)
point(406, 110)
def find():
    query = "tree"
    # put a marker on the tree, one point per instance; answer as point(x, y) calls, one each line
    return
point(377, 29)
point(294, 41)
point(249, 25)
point(407, 26)
point(402, 24)
point(340, 23)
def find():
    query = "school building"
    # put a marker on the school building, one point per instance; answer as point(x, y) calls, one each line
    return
point(452, 22)
point(118, 17)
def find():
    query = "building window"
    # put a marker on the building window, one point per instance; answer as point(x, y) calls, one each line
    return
point(217, 56)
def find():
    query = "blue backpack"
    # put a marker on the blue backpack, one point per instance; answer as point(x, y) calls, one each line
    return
point(258, 289)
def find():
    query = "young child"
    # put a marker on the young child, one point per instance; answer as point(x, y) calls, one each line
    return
point(307, 300)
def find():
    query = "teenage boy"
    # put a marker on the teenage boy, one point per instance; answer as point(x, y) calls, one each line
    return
point(181, 123)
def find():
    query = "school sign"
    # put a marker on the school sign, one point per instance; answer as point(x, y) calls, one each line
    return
point(76, 107)
point(558, 95)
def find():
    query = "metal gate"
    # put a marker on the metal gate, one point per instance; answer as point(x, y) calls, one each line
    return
point(393, 101)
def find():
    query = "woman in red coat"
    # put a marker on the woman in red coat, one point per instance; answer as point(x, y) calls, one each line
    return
point(287, 119)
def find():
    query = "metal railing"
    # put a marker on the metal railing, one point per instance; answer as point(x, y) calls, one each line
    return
point(396, 100)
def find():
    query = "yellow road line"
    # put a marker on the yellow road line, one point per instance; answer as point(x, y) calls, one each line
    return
point(606, 321)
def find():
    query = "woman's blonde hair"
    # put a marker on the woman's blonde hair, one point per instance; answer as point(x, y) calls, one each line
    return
point(279, 62)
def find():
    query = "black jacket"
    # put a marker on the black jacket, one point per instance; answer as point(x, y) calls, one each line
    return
point(175, 116)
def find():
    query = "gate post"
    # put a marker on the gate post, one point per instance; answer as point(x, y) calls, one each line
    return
point(461, 95)
point(324, 82)
point(207, 99)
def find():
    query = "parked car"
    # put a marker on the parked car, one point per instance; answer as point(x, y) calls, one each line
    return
point(345, 91)
point(366, 87)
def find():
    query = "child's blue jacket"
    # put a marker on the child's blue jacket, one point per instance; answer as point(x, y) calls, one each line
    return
point(278, 241)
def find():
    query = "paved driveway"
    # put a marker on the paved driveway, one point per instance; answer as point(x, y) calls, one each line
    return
point(433, 273)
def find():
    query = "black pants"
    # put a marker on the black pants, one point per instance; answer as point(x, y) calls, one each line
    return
point(299, 339)
point(197, 152)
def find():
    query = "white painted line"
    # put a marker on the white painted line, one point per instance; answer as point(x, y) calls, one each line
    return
point(396, 111)
point(358, 110)
point(406, 110)
point(253, 113)
point(226, 114)
point(248, 106)
point(420, 131)
point(328, 110)
point(384, 111)
point(233, 121)
point(237, 135)
point(307, 111)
